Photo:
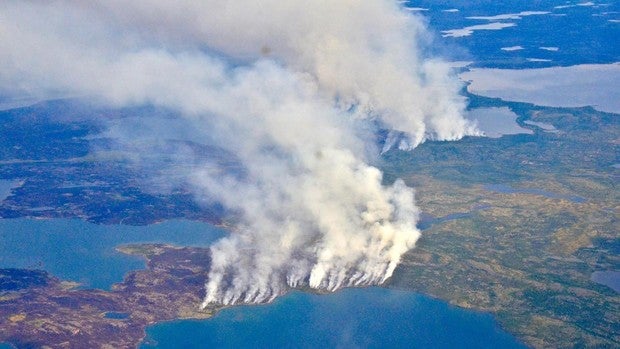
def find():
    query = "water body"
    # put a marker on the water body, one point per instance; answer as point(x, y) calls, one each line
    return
point(610, 279)
point(544, 126)
point(5, 346)
point(363, 317)
point(116, 315)
point(5, 188)
point(573, 86)
point(85, 252)
point(426, 220)
point(467, 31)
point(506, 189)
point(496, 122)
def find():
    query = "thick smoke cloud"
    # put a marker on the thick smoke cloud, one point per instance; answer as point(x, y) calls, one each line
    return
point(290, 88)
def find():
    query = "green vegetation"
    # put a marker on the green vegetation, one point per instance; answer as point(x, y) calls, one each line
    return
point(526, 257)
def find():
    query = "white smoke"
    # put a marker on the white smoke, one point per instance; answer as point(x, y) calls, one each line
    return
point(289, 88)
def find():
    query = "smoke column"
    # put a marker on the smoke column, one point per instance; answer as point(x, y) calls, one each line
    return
point(291, 88)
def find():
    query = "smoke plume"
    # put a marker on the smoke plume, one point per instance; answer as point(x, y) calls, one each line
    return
point(294, 89)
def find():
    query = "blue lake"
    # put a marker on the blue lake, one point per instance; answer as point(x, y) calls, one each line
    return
point(610, 279)
point(426, 220)
point(362, 317)
point(497, 121)
point(116, 315)
point(84, 252)
point(5, 188)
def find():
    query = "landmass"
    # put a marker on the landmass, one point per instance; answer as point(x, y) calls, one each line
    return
point(526, 255)
point(39, 310)
point(62, 173)
point(514, 226)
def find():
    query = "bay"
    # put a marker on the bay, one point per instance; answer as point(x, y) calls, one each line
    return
point(371, 317)
point(84, 252)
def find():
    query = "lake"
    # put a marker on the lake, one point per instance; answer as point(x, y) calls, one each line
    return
point(356, 317)
point(497, 121)
point(84, 252)
point(5, 188)
point(570, 86)
point(610, 279)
